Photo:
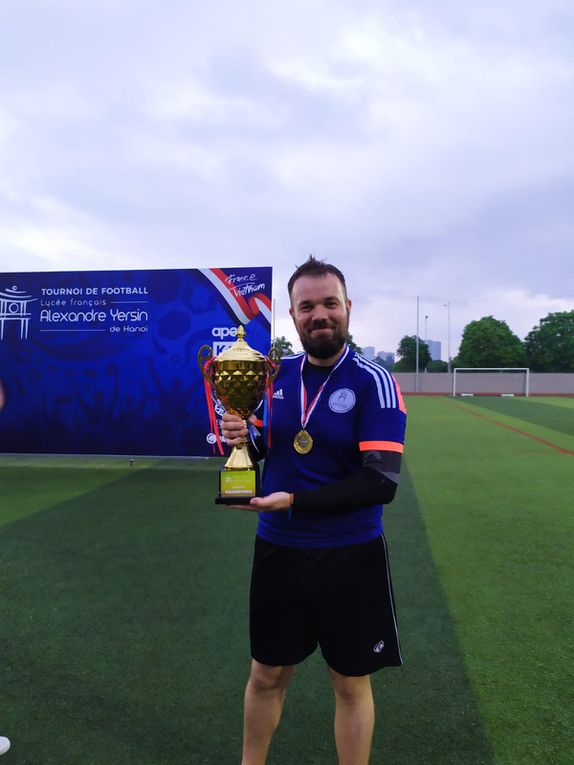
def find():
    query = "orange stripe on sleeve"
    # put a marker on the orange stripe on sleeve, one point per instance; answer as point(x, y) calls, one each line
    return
point(381, 446)
point(400, 398)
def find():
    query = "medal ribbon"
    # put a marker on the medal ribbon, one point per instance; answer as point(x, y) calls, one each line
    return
point(306, 412)
point(268, 399)
point(267, 412)
point(210, 407)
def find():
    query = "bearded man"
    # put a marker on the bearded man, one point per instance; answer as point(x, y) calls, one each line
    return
point(320, 570)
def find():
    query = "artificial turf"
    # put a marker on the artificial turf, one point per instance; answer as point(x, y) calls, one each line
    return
point(497, 506)
point(123, 601)
point(553, 414)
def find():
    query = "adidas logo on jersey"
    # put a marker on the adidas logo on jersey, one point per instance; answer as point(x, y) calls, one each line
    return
point(278, 393)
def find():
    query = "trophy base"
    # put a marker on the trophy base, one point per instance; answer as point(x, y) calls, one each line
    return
point(238, 487)
point(233, 500)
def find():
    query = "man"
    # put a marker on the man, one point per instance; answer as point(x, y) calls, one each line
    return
point(320, 572)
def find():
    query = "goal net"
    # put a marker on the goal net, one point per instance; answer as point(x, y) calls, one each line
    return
point(491, 381)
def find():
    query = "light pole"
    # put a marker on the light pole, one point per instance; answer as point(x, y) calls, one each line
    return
point(417, 350)
point(426, 336)
point(447, 306)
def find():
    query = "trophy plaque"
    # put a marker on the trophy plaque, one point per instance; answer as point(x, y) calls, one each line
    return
point(240, 377)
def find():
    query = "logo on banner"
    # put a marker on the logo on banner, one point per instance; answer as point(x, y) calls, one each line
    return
point(223, 345)
point(245, 294)
point(14, 310)
point(220, 346)
point(224, 332)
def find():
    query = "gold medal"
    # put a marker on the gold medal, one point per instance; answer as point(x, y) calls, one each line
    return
point(303, 442)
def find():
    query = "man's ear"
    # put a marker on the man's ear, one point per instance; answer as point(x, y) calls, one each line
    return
point(291, 312)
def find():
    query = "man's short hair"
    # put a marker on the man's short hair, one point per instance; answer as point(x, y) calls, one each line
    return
point(314, 267)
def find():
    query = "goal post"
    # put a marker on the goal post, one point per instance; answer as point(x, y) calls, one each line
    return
point(496, 381)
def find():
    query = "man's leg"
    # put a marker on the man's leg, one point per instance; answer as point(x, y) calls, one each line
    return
point(264, 696)
point(354, 718)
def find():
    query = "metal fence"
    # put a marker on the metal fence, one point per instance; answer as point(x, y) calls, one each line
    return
point(487, 383)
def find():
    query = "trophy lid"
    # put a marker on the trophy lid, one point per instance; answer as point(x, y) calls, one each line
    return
point(240, 350)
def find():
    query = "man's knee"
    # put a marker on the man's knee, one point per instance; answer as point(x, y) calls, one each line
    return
point(350, 690)
point(266, 678)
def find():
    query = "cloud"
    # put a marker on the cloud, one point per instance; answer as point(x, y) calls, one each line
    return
point(425, 150)
point(522, 310)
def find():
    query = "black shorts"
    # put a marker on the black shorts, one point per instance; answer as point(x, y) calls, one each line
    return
point(339, 598)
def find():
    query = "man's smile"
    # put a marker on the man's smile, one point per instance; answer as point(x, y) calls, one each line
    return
point(322, 329)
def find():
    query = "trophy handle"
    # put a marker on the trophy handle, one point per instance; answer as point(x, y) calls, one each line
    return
point(273, 361)
point(204, 357)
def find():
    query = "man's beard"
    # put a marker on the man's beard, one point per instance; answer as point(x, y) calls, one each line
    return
point(325, 347)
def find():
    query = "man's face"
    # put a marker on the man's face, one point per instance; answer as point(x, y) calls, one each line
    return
point(320, 311)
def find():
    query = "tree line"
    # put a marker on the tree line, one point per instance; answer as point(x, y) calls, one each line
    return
point(489, 342)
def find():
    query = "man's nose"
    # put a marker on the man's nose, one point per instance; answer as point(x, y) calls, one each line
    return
point(320, 313)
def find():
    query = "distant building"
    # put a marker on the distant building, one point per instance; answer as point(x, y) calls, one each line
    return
point(369, 352)
point(434, 349)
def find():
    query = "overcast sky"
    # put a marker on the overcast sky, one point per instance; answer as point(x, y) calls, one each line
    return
point(425, 148)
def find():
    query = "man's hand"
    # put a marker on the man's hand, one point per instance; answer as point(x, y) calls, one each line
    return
point(279, 500)
point(233, 428)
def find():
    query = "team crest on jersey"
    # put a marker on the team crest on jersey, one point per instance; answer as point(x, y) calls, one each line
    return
point(342, 400)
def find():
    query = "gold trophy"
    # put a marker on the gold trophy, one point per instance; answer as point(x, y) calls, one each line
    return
point(240, 377)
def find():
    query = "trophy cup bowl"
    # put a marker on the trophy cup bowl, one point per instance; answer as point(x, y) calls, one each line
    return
point(239, 375)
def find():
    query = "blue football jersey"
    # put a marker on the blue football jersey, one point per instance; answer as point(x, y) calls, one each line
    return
point(360, 408)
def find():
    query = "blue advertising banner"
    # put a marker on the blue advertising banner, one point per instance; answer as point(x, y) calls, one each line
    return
point(105, 362)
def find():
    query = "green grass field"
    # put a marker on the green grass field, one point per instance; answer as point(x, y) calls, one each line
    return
point(123, 604)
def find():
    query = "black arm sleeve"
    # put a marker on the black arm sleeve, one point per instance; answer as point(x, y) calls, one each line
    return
point(366, 487)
